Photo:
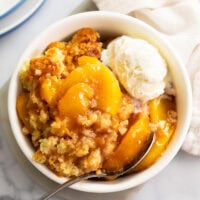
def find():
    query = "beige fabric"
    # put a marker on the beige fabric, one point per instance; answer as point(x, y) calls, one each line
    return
point(179, 22)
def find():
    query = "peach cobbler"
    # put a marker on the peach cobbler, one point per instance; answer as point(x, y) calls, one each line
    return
point(80, 112)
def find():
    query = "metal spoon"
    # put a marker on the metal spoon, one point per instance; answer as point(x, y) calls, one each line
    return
point(115, 174)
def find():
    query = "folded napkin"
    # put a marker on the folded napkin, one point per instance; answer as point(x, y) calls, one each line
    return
point(179, 22)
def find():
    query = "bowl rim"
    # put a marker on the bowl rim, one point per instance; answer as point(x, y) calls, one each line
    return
point(133, 180)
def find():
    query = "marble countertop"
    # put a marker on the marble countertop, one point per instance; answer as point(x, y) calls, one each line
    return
point(20, 181)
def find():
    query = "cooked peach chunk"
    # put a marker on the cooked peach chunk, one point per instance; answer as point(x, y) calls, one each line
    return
point(131, 145)
point(49, 88)
point(158, 148)
point(160, 110)
point(22, 101)
point(101, 79)
point(76, 100)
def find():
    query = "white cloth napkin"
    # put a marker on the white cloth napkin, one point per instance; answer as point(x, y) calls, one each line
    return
point(179, 22)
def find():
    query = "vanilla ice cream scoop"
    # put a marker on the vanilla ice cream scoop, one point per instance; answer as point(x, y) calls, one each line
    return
point(138, 65)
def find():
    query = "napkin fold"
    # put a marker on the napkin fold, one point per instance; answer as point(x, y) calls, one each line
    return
point(179, 22)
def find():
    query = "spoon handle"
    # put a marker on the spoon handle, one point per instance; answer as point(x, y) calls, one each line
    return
point(68, 183)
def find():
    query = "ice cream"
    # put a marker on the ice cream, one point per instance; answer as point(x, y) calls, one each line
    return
point(138, 65)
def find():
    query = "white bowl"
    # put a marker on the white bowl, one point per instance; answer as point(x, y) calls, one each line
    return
point(108, 23)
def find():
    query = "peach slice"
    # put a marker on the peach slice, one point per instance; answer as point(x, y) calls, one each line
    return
point(103, 81)
point(22, 101)
point(159, 110)
point(49, 88)
point(131, 145)
point(92, 72)
point(76, 100)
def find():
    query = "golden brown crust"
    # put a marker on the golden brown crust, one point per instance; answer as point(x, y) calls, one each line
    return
point(60, 58)
point(84, 42)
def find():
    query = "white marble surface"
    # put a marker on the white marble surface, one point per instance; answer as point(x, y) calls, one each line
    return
point(19, 181)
